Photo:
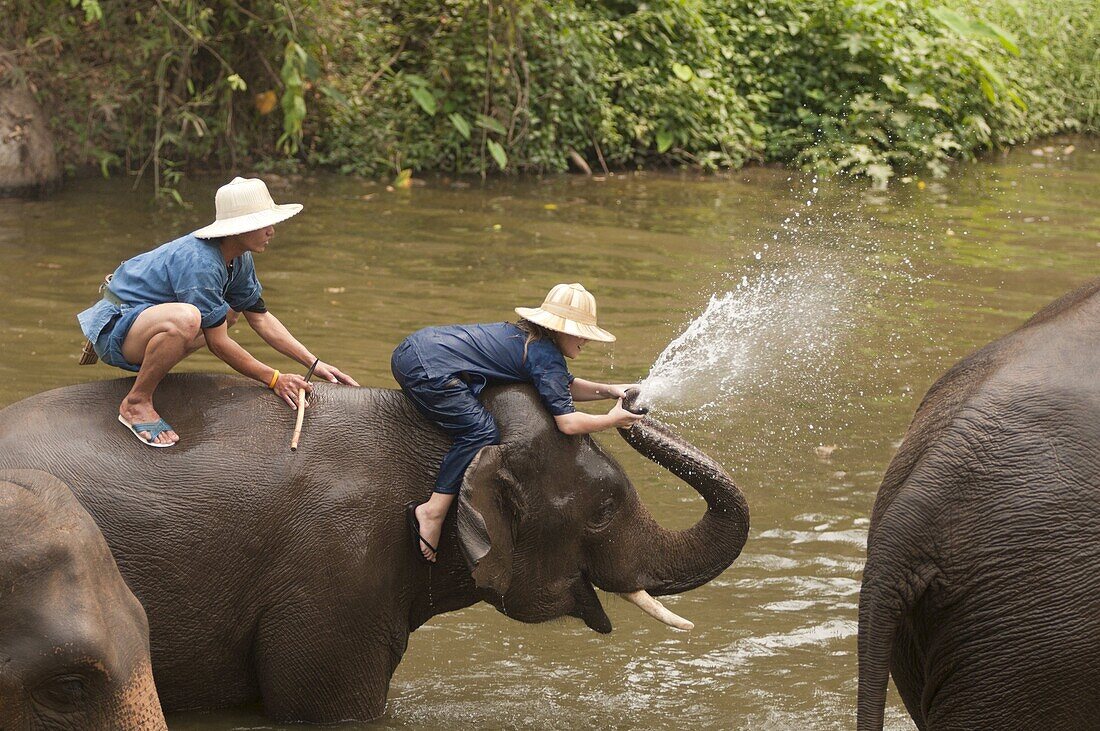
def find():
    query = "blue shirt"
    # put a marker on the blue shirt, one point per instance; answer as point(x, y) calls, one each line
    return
point(493, 353)
point(189, 270)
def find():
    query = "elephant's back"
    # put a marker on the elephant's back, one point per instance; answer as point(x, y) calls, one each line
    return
point(233, 451)
point(1037, 374)
point(77, 426)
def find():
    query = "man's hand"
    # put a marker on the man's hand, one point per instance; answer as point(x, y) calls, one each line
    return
point(332, 374)
point(287, 387)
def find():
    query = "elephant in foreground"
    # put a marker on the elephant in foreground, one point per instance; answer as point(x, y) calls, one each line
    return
point(981, 593)
point(74, 642)
point(290, 577)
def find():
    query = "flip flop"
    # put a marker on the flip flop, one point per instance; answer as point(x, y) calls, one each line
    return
point(417, 539)
point(155, 429)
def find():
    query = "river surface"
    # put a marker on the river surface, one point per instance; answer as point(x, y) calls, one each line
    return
point(849, 304)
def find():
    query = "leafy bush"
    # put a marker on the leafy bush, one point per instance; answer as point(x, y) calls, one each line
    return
point(483, 82)
point(151, 86)
point(872, 87)
point(865, 87)
point(868, 86)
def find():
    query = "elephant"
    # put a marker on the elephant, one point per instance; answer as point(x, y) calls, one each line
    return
point(290, 577)
point(981, 591)
point(74, 642)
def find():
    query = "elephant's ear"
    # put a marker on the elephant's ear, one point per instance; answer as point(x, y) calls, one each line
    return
point(485, 520)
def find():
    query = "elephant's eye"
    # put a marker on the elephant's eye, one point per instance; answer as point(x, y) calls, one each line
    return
point(67, 693)
point(602, 516)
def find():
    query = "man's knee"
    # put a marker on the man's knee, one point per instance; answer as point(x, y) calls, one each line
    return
point(186, 320)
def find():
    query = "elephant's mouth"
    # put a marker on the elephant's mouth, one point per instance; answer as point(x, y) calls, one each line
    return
point(587, 607)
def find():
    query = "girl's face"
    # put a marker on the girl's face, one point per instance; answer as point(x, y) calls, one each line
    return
point(569, 345)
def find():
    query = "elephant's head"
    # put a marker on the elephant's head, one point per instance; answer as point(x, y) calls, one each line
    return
point(544, 517)
point(74, 642)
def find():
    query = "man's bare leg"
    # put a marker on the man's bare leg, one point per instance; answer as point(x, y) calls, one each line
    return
point(161, 337)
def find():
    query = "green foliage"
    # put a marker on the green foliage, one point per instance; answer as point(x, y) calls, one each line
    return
point(524, 84)
point(871, 87)
point(153, 87)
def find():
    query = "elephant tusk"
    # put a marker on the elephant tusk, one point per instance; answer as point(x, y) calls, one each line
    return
point(655, 609)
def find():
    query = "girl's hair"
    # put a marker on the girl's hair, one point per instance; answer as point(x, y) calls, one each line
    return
point(534, 332)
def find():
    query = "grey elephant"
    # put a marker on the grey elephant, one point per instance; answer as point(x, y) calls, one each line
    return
point(290, 577)
point(74, 642)
point(981, 593)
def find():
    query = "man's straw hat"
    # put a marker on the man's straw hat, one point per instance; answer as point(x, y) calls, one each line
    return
point(569, 309)
point(245, 205)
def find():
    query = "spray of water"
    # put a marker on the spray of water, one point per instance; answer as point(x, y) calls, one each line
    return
point(776, 351)
point(777, 328)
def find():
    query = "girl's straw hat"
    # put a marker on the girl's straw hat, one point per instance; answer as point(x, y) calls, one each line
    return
point(569, 309)
point(245, 205)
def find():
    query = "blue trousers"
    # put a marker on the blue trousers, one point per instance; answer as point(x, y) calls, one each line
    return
point(449, 402)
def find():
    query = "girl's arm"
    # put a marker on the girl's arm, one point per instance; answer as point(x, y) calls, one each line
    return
point(581, 423)
point(583, 390)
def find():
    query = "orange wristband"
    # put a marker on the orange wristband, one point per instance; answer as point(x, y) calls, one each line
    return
point(274, 380)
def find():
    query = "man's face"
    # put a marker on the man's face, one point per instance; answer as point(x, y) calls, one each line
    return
point(256, 241)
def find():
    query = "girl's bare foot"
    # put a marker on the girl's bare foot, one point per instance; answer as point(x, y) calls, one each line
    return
point(430, 516)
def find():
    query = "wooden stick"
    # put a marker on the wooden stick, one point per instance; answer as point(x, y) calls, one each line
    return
point(298, 423)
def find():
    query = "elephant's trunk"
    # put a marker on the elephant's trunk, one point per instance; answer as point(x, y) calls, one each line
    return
point(139, 706)
point(670, 562)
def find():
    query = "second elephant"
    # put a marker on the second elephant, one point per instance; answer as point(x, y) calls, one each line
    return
point(981, 594)
point(74, 642)
point(259, 567)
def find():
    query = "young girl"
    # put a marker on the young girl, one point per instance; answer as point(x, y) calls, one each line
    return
point(443, 369)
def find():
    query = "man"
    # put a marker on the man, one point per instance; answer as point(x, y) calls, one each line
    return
point(165, 304)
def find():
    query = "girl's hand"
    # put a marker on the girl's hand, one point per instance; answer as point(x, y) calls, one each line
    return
point(623, 419)
point(332, 374)
point(618, 390)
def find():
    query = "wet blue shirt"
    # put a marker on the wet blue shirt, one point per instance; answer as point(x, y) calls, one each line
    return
point(189, 270)
point(483, 354)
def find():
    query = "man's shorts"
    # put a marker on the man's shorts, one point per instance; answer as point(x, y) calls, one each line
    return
point(108, 346)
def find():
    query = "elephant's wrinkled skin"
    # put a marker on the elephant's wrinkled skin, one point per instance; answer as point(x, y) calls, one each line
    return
point(74, 643)
point(291, 577)
point(981, 593)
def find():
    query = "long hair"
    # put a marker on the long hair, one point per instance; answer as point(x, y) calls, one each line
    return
point(534, 332)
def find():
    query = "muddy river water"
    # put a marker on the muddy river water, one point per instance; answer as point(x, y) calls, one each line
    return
point(844, 305)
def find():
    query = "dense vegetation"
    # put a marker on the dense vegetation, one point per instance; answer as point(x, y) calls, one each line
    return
point(468, 86)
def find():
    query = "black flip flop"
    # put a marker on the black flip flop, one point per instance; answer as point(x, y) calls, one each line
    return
point(417, 539)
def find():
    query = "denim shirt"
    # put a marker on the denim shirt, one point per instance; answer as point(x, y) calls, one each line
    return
point(189, 270)
point(493, 353)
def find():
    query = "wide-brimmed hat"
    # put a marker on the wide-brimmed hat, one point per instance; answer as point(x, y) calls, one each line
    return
point(244, 205)
point(569, 309)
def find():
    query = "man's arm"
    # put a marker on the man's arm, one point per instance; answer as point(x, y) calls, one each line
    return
point(240, 360)
point(274, 333)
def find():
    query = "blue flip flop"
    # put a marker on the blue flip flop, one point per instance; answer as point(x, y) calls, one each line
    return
point(155, 429)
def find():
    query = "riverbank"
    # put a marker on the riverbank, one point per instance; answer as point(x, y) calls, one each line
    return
point(883, 90)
